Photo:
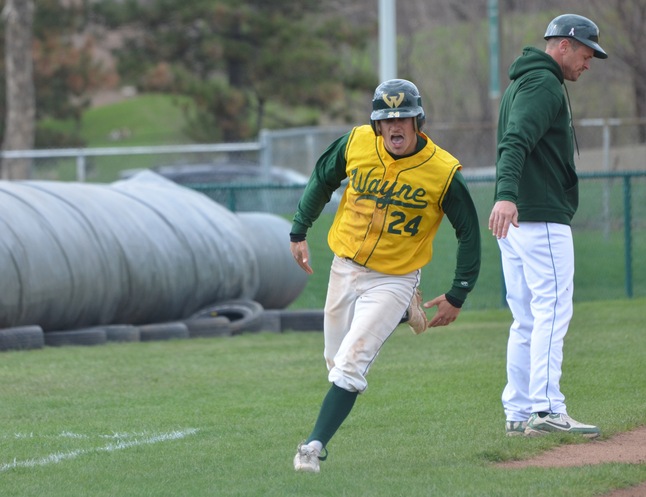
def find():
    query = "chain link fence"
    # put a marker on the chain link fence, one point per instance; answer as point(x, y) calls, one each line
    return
point(609, 233)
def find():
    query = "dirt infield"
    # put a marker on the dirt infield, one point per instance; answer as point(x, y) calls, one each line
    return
point(628, 448)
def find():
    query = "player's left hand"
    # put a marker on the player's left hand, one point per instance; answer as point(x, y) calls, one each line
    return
point(446, 313)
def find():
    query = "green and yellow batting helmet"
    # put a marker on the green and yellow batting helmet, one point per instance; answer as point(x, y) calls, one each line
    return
point(397, 98)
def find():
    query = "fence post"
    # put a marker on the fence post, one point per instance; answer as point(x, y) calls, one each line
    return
point(265, 153)
point(232, 198)
point(628, 235)
point(80, 166)
point(608, 182)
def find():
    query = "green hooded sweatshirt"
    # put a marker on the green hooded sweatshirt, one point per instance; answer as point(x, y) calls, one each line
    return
point(535, 157)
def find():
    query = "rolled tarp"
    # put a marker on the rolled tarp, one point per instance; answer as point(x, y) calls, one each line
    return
point(280, 280)
point(143, 250)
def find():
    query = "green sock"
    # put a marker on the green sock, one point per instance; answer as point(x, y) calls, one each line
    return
point(336, 406)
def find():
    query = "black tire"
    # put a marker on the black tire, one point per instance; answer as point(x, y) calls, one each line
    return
point(244, 315)
point(270, 321)
point(163, 331)
point(83, 336)
point(302, 320)
point(22, 338)
point(122, 333)
point(208, 327)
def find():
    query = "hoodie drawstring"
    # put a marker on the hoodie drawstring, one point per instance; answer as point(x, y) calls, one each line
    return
point(569, 107)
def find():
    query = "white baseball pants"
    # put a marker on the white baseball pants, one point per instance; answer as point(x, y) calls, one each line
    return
point(362, 309)
point(538, 265)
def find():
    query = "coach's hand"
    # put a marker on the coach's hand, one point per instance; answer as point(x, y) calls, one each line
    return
point(446, 313)
point(301, 253)
point(502, 215)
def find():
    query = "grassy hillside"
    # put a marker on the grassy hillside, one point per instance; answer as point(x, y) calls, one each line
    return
point(149, 119)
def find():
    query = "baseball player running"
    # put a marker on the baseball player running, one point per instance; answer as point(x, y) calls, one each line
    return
point(535, 200)
point(400, 185)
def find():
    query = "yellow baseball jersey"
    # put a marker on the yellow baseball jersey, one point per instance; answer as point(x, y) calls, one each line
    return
point(391, 208)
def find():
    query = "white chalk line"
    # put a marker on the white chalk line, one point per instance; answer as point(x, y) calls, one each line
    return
point(70, 434)
point(120, 444)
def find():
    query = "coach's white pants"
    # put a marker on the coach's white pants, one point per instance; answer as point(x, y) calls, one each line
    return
point(362, 309)
point(538, 264)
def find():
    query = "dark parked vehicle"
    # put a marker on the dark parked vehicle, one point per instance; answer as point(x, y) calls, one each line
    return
point(242, 186)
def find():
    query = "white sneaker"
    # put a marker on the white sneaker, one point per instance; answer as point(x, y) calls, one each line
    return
point(559, 423)
point(515, 428)
point(307, 459)
point(416, 317)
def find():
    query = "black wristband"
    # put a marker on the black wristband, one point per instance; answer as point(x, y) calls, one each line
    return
point(453, 301)
point(296, 237)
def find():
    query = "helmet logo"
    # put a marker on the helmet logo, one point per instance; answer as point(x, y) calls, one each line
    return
point(393, 101)
point(571, 33)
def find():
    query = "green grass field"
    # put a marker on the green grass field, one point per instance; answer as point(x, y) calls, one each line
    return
point(223, 416)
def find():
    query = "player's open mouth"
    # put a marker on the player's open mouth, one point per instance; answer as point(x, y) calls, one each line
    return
point(397, 139)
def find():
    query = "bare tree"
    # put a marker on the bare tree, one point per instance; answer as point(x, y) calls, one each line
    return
point(21, 106)
point(623, 33)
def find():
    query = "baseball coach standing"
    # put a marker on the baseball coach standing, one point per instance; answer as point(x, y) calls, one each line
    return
point(536, 196)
